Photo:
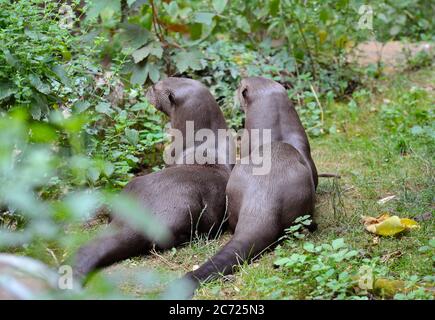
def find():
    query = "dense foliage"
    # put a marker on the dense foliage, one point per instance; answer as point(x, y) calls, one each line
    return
point(75, 124)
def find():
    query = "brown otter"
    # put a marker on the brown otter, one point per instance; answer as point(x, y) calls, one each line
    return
point(261, 207)
point(180, 196)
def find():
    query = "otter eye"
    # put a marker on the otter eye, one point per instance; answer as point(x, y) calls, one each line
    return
point(171, 98)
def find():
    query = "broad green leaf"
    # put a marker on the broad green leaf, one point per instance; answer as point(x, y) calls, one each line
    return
point(153, 73)
point(204, 17)
point(107, 15)
point(132, 136)
point(188, 60)
point(172, 9)
point(35, 35)
point(39, 106)
point(108, 169)
point(6, 90)
point(104, 107)
point(133, 36)
point(139, 74)
point(153, 48)
point(60, 71)
point(219, 5)
point(308, 246)
point(81, 106)
point(282, 261)
point(243, 24)
point(338, 243)
point(39, 85)
point(140, 54)
point(10, 59)
point(93, 174)
point(350, 254)
point(139, 106)
point(97, 7)
point(132, 158)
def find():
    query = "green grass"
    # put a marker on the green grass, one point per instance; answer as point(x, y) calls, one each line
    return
point(376, 155)
point(375, 160)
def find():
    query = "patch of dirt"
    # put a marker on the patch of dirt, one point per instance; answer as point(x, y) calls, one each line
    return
point(392, 54)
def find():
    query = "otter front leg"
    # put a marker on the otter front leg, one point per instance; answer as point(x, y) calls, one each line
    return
point(108, 249)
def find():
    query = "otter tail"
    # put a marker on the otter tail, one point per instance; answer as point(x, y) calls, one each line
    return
point(107, 249)
point(238, 250)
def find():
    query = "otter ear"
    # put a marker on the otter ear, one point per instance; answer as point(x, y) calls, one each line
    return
point(243, 96)
point(245, 92)
point(171, 98)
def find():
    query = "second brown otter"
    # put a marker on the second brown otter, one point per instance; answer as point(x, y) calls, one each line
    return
point(261, 207)
point(183, 198)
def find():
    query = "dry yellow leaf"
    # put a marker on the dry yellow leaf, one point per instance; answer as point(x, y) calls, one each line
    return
point(409, 223)
point(389, 226)
point(388, 288)
point(386, 225)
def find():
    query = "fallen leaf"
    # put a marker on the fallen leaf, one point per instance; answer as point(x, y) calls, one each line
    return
point(386, 225)
point(388, 288)
point(409, 223)
point(389, 226)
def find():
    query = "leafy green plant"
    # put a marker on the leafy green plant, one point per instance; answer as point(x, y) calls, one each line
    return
point(335, 270)
point(42, 65)
point(423, 58)
point(404, 18)
point(310, 271)
point(411, 116)
point(75, 125)
point(30, 165)
point(132, 143)
point(326, 271)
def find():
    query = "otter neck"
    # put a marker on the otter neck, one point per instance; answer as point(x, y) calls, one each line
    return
point(283, 121)
point(192, 120)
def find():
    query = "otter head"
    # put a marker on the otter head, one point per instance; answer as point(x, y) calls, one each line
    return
point(178, 95)
point(186, 100)
point(254, 88)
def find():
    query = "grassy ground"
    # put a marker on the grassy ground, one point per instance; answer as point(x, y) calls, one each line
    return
point(374, 150)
